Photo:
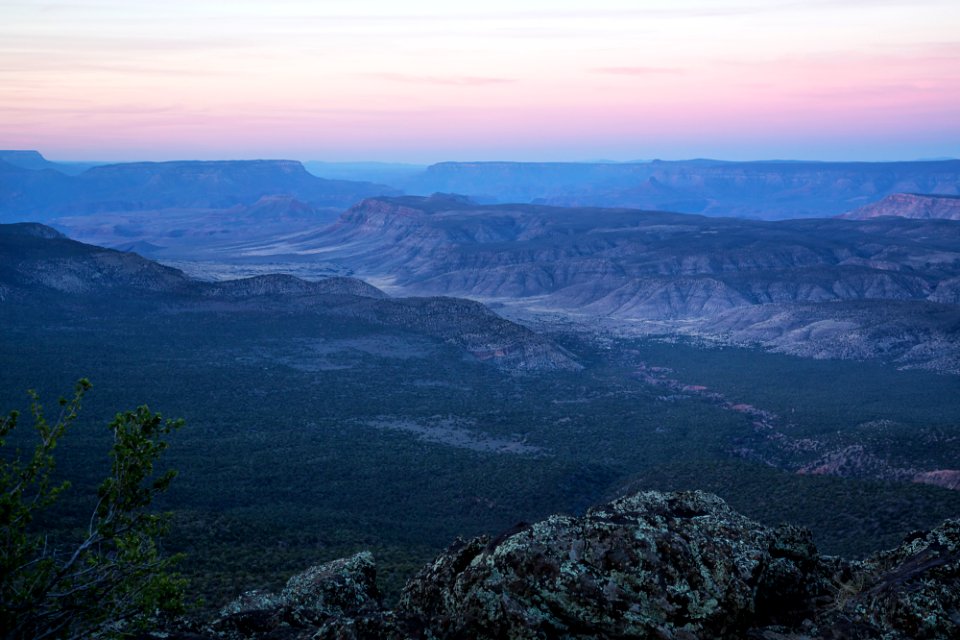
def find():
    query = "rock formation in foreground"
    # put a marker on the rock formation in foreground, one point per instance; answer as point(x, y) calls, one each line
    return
point(681, 566)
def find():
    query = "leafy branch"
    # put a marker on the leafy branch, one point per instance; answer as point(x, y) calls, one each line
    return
point(112, 577)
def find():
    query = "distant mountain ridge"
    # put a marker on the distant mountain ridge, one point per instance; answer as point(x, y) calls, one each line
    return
point(42, 194)
point(584, 256)
point(910, 205)
point(30, 159)
point(762, 189)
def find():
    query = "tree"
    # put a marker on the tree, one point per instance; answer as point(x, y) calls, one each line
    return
point(109, 578)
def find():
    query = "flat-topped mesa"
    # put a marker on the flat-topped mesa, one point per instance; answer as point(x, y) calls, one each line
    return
point(26, 158)
point(198, 168)
point(153, 186)
point(910, 205)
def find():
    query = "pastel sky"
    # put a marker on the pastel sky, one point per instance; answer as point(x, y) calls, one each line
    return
point(428, 80)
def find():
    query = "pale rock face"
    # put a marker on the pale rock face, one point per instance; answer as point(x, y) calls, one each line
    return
point(766, 190)
point(910, 205)
point(885, 288)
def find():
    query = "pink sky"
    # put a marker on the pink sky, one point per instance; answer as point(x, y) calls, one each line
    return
point(423, 81)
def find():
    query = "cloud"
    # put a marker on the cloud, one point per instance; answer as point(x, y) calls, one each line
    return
point(639, 71)
point(455, 81)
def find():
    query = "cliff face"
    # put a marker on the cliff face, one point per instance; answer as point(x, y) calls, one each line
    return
point(649, 565)
point(633, 264)
point(821, 288)
point(910, 205)
point(768, 190)
point(41, 194)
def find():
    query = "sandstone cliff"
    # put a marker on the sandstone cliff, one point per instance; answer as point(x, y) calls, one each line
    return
point(910, 205)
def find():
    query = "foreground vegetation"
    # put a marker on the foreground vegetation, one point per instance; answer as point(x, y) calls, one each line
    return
point(101, 580)
point(286, 462)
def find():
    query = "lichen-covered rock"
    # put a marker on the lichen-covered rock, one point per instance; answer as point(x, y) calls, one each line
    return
point(664, 566)
point(651, 565)
point(345, 586)
point(340, 589)
point(911, 592)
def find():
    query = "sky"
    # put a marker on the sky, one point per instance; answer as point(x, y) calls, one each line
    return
point(424, 81)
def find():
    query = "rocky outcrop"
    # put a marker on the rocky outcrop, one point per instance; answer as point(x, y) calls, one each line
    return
point(649, 565)
point(339, 590)
point(910, 205)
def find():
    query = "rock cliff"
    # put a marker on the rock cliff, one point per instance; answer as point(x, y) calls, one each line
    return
point(769, 190)
point(910, 205)
point(822, 288)
point(39, 194)
point(649, 565)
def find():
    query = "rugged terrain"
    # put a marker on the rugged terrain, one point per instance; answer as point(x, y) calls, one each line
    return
point(40, 265)
point(910, 205)
point(343, 419)
point(819, 288)
point(648, 565)
point(766, 190)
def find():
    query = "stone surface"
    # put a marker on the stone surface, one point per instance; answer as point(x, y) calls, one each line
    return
point(680, 566)
point(341, 589)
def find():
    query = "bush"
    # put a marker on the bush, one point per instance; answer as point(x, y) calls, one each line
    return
point(109, 578)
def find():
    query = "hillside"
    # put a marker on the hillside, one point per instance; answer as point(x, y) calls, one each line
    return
point(191, 233)
point(38, 266)
point(885, 288)
point(910, 205)
point(344, 419)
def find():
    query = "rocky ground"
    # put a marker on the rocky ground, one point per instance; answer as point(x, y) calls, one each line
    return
point(649, 565)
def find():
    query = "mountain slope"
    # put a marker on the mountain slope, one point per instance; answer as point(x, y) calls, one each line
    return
point(652, 271)
point(910, 205)
point(41, 267)
point(38, 260)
